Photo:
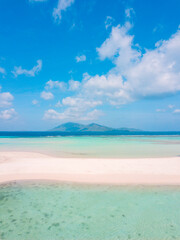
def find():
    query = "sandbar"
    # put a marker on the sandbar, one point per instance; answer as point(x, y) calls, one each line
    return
point(15, 166)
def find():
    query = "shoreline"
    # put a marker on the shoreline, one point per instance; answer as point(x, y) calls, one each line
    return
point(31, 166)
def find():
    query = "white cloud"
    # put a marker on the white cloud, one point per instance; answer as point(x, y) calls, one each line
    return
point(137, 75)
point(157, 72)
point(108, 22)
point(74, 85)
point(2, 70)
point(94, 114)
point(171, 106)
point(35, 102)
point(51, 114)
point(47, 95)
point(76, 109)
point(109, 87)
point(176, 111)
point(118, 47)
point(81, 58)
point(62, 6)
point(71, 114)
point(80, 102)
point(8, 114)
point(31, 73)
point(100, 83)
point(55, 84)
point(6, 99)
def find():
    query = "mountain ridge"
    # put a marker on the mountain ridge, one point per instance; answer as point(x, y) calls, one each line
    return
point(89, 128)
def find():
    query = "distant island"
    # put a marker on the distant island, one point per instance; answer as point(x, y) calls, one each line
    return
point(92, 129)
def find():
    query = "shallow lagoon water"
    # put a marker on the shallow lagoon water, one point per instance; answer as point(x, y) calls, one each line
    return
point(49, 211)
point(96, 146)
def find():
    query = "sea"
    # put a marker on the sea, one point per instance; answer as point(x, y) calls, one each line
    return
point(121, 146)
point(43, 210)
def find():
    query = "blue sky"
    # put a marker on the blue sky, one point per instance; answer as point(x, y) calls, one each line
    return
point(112, 62)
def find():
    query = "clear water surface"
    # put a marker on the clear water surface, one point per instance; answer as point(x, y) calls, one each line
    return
point(99, 147)
point(49, 211)
point(42, 211)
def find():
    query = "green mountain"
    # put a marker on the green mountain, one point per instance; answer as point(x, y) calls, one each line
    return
point(71, 127)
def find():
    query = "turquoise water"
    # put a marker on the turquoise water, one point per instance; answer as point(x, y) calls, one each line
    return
point(109, 146)
point(42, 211)
point(49, 211)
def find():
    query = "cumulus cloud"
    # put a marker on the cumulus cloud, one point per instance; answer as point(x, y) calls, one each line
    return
point(30, 73)
point(94, 114)
point(71, 85)
point(137, 75)
point(55, 84)
point(81, 58)
point(47, 95)
point(71, 114)
point(110, 88)
point(62, 6)
point(119, 47)
point(76, 109)
point(8, 114)
point(80, 102)
point(6, 99)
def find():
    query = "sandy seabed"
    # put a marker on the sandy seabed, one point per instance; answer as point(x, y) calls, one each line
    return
point(16, 166)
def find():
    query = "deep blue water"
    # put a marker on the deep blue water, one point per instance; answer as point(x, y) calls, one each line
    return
point(115, 133)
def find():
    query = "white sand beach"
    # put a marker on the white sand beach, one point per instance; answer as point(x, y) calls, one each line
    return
point(35, 166)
